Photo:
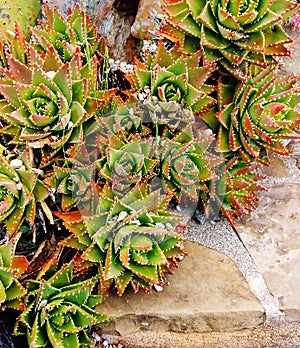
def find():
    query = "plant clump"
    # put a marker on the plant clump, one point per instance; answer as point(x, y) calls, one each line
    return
point(59, 309)
point(131, 237)
point(91, 170)
point(232, 32)
point(253, 117)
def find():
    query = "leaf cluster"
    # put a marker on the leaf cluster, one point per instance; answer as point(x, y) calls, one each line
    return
point(98, 174)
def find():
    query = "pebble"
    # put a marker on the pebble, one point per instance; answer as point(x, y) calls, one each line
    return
point(16, 163)
point(158, 288)
point(114, 65)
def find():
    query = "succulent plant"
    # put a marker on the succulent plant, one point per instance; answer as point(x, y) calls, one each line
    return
point(234, 191)
point(131, 237)
point(232, 32)
point(163, 142)
point(11, 268)
point(47, 101)
point(127, 160)
point(68, 34)
point(20, 190)
point(186, 162)
point(23, 12)
point(172, 77)
point(254, 116)
point(14, 43)
point(59, 309)
point(70, 179)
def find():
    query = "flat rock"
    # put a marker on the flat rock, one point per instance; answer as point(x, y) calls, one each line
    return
point(281, 335)
point(271, 234)
point(207, 293)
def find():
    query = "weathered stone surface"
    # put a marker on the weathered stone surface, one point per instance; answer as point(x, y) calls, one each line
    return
point(282, 335)
point(271, 234)
point(144, 21)
point(114, 24)
point(207, 293)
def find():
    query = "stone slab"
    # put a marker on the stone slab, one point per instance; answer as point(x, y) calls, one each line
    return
point(281, 335)
point(272, 234)
point(207, 293)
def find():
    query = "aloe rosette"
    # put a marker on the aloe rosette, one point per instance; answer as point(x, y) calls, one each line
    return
point(59, 309)
point(234, 191)
point(131, 237)
point(11, 268)
point(20, 190)
point(47, 101)
point(68, 34)
point(256, 115)
point(229, 31)
point(71, 179)
point(186, 162)
point(170, 76)
point(127, 160)
point(68, 183)
point(157, 142)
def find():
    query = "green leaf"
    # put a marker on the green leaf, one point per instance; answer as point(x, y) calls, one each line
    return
point(207, 18)
point(62, 278)
point(15, 291)
point(156, 256)
point(228, 20)
point(210, 40)
point(54, 336)
point(122, 281)
point(9, 92)
point(141, 242)
point(269, 19)
point(71, 341)
point(2, 292)
point(35, 336)
point(148, 273)
point(113, 267)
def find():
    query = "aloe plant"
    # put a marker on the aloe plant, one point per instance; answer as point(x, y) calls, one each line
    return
point(68, 34)
point(59, 309)
point(157, 141)
point(186, 162)
point(11, 268)
point(46, 102)
point(254, 116)
point(172, 77)
point(232, 32)
point(131, 237)
point(20, 190)
point(70, 179)
point(127, 161)
point(234, 190)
